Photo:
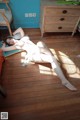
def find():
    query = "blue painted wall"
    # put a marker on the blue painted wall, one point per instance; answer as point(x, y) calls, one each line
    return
point(28, 8)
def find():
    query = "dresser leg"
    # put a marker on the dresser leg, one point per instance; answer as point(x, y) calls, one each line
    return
point(75, 27)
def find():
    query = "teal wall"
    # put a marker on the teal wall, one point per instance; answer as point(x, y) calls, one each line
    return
point(22, 8)
point(28, 8)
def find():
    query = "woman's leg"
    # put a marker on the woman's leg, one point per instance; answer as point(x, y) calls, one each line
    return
point(48, 57)
point(55, 66)
point(60, 74)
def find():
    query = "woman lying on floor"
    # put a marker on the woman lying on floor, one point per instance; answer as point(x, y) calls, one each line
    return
point(36, 53)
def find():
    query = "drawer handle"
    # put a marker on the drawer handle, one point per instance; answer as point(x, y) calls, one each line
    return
point(62, 19)
point(60, 27)
point(64, 11)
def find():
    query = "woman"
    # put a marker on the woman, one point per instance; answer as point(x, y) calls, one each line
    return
point(36, 53)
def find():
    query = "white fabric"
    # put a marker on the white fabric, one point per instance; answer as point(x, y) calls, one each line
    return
point(27, 45)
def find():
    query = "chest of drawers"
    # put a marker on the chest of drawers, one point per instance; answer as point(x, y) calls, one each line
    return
point(57, 18)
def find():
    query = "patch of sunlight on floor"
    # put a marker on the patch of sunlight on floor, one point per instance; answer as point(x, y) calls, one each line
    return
point(46, 70)
point(69, 65)
point(54, 53)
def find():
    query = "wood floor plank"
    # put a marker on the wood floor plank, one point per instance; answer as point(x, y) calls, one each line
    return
point(35, 92)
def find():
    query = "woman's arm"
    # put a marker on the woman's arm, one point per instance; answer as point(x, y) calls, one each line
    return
point(9, 48)
point(19, 30)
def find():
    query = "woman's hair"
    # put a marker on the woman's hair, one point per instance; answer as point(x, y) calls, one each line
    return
point(17, 36)
point(5, 40)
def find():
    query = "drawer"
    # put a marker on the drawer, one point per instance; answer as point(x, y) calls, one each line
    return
point(60, 19)
point(58, 28)
point(51, 11)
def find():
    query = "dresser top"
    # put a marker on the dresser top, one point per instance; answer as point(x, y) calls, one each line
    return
point(56, 3)
point(48, 2)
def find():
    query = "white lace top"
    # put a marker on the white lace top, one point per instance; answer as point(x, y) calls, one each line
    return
point(25, 44)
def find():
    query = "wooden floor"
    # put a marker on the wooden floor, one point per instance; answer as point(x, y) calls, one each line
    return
point(35, 92)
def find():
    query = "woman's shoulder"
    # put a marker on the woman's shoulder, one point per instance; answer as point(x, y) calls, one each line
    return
point(25, 38)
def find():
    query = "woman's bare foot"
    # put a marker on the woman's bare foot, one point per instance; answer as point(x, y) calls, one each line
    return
point(69, 86)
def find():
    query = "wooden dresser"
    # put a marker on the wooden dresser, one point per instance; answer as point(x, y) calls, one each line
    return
point(58, 18)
